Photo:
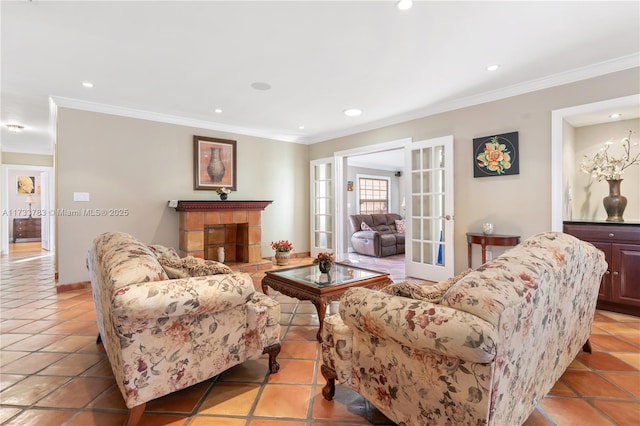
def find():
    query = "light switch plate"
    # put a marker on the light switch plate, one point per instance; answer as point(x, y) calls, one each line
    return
point(173, 203)
point(80, 196)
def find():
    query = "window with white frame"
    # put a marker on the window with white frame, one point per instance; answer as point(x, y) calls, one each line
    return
point(373, 194)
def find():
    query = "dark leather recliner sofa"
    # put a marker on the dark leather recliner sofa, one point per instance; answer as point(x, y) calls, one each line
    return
point(382, 240)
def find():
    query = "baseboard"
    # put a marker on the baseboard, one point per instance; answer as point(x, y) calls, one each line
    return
point(61, 288)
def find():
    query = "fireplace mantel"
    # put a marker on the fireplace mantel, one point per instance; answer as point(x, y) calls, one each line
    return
point(206, 205)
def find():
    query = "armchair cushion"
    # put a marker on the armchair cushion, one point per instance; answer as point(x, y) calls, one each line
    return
point(187, 296)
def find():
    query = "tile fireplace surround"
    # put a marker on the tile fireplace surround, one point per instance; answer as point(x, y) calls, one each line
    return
point(240, 221)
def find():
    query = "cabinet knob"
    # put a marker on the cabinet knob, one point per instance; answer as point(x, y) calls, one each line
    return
point(611, 235)
point(607, 273)
point(615, 272)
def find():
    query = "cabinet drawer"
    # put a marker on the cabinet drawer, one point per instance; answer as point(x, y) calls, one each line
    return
point(26, 228)
point(619, 234)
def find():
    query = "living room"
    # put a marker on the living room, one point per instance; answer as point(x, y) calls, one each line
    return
point(138, 162)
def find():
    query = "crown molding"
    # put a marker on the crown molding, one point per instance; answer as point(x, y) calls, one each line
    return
point(578, 74)
point(59, 101)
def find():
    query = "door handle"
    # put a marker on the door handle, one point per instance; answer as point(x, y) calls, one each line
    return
point(447, 217)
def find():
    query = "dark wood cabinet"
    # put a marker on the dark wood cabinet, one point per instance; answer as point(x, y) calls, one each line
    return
point(620, 242)
point(27, 227)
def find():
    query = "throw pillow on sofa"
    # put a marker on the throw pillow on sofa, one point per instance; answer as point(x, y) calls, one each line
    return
point(430, 293)
point(400, 226)
point(192, 267)
point(162, 251)
point(365, 227)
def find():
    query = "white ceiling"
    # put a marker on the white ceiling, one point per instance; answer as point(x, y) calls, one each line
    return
point(178, 61)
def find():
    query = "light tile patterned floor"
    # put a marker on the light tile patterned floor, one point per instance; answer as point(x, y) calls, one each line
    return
point(53, 373)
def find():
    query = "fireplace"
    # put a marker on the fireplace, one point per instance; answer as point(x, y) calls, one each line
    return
point(206, 226)
point(233, 238)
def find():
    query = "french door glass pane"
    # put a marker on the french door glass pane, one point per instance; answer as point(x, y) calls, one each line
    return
point(323, 188)
point(322, 172)
point(324, 223)
point(323, 239)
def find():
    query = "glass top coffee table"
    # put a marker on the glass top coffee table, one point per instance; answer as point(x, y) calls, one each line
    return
point(308, 283)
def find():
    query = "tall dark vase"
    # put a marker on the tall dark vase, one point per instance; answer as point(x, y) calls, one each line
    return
point(614, 203)
point(215, 169)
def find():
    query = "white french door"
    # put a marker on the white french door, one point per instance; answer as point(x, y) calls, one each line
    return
point(322, 206)
point(429, 247)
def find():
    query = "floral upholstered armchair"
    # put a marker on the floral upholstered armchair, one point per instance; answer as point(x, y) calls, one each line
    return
point(493, 345)
point(161, 334)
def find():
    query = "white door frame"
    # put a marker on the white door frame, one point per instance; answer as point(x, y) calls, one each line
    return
point(342, 239)
point(315, 202)
point(8, 186)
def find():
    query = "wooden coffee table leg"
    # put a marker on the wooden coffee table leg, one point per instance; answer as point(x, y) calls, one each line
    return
point(321, 307)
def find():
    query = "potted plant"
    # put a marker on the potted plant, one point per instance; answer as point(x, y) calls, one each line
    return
point(604, 166)
point(283, 250)
point(223, 192)
point(325, 261)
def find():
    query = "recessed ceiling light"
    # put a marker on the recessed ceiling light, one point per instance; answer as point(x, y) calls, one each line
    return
point(217, 111)
point(87, 84)
point(615, 115)
point(301, 127)
point(14, 127)
point(261, 85)
point(404, 4)
point(493, 67)
point(352, 112)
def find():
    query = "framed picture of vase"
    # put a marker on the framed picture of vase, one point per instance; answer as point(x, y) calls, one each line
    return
point(214, 163)
point(496, 155)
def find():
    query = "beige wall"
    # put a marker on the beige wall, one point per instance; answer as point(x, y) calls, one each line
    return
point(27, 159)
point(519, 204)
point(139, 165)
point(587, 192)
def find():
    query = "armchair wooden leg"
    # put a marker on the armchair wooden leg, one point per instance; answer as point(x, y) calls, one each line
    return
point(587, 346)
point(330, 388)
point(273, 352)
point(135, 413)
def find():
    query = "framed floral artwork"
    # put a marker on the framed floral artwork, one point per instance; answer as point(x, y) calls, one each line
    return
point(496, 155)
point(214, 163)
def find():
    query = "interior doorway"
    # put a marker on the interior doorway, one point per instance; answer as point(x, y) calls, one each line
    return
point(344, 199)
point(428, 249)
point(19, 203)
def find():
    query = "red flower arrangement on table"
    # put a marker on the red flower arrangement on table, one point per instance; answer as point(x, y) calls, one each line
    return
point(324, 261)
point(282, 245)
point(324, 257)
